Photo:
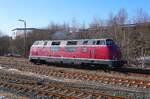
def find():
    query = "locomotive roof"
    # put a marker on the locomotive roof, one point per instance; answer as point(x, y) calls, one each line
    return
point(71, 42)
point(75, 39)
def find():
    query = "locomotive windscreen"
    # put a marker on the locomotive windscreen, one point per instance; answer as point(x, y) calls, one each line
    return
point(109, 42)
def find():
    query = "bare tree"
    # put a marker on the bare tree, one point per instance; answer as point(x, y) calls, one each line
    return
point(142, 19)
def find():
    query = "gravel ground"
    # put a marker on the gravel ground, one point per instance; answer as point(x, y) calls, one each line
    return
point(133, 93)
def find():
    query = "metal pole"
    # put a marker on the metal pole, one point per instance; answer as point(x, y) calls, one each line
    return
point(25, 38)
point(25, 48)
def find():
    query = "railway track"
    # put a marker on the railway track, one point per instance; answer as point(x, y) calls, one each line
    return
point(133, 83)
point(133, 70)
point(125, 69)
point(33, 88)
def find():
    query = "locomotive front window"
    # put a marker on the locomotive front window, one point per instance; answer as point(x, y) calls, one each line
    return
point(109, 42)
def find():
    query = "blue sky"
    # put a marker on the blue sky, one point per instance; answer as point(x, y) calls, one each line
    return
point(40, 13)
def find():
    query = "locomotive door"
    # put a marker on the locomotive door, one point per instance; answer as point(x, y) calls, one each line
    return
point(92, 53)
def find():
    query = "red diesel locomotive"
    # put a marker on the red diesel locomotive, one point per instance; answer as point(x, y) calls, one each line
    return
point(96, 52)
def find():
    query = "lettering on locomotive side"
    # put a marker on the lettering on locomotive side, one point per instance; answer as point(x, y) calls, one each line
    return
point(55, 49)
point(70, 49)
point(84, 49)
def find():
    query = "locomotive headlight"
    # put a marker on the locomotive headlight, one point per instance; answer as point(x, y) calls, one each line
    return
point(114, 57)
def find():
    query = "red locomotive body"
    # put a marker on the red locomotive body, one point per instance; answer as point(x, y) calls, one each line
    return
point(98, 52)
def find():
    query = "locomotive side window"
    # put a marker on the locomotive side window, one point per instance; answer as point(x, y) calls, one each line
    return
point(94, 42)
point(55, 43)
point(72, 43)
point(55, 49)
point(100, 42)
point(85, 42)
point(70, 49)
point(45, 43)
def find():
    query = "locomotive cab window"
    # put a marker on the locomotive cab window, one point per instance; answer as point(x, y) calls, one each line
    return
point(55, 43)
point(100, 42)
point(72, 43)
point(109, 42)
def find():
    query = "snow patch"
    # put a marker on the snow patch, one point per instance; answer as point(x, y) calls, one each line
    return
point(2, 97)
point(1, 67)
point(15, 70)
